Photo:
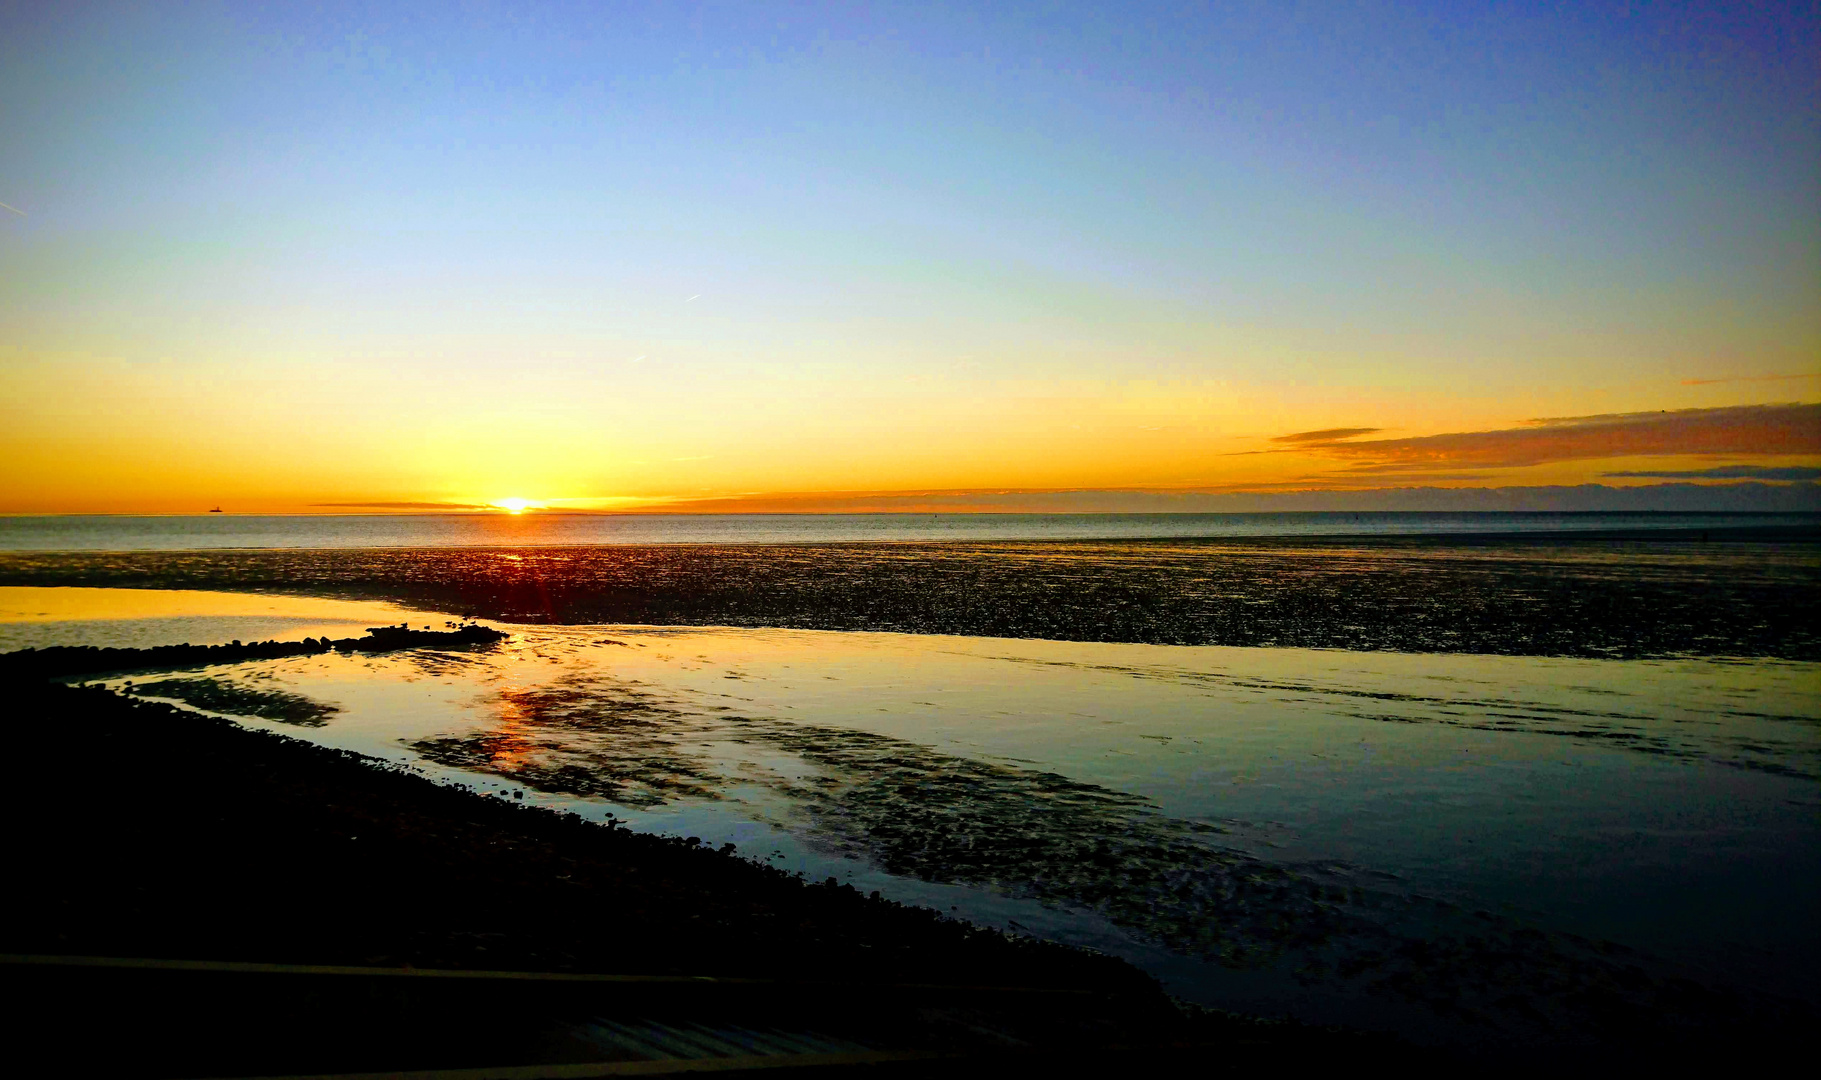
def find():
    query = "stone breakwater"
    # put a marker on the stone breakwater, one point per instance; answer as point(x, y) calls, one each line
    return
point(66, 660)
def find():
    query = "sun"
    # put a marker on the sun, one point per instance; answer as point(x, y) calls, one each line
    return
point(516, 506)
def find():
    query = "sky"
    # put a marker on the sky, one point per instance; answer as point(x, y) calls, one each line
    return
point(343, 257)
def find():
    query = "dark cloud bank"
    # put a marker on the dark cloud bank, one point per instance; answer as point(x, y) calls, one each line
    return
point(1743, 430)
point(1686, 498)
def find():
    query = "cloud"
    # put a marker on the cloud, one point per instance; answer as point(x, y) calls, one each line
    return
point(1803, 497)
point(406, 506)
point(1752, 378)
point(1326, 435)
point(1400, 473)
point(1730, 472)
point(1742, 429)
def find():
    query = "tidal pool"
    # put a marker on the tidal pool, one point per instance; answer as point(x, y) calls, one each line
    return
point(1341, 836)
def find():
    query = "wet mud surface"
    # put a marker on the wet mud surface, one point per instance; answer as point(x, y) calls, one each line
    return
point(1620, 597)
point(1180, 884)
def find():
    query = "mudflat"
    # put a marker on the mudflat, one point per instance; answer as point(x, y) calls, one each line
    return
point(1618, 595)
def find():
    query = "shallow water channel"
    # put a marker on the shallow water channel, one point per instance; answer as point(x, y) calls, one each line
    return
point(1264, 829)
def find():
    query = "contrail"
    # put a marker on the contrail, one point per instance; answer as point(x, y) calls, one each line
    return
point(14, 209)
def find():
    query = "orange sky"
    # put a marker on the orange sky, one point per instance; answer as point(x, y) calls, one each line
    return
point(178, 438)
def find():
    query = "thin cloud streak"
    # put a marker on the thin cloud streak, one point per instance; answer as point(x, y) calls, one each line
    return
point(1326, 435)
point(404, 506)
point(1726, 472)
point(1405, 472)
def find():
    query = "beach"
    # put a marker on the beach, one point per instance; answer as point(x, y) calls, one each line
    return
point(1488, 795)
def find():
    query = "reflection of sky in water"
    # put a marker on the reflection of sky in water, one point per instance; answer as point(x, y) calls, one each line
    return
point(36, 618)
point(1221, 815)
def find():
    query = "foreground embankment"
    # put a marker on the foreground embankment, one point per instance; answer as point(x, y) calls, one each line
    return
point(143, 831)
point(148, 830)
point(1625, 595)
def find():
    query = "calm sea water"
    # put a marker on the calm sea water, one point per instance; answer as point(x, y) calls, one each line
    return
point(128, 533)
point(1254, 826)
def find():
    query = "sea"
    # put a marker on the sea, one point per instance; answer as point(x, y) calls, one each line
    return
point(215, 531)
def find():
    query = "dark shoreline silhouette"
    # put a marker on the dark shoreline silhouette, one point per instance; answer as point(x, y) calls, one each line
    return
point(195, 839)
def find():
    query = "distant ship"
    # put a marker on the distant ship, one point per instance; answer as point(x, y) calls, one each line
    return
point(217, 510)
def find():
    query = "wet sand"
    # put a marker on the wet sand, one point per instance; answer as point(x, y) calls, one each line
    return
point(1619, 595)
